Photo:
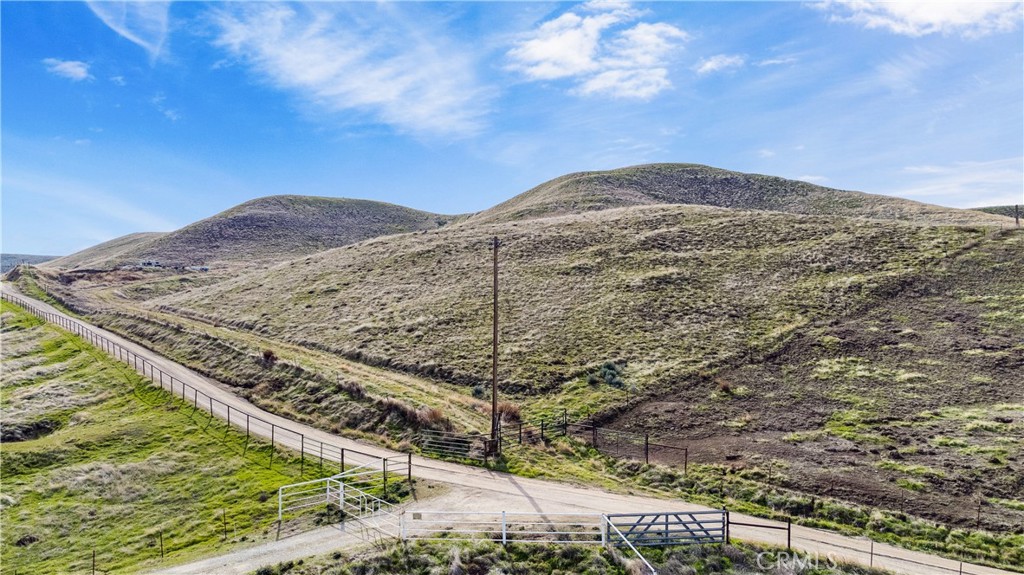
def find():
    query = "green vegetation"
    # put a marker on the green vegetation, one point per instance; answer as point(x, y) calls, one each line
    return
point(767, 490)
point(94, 459)
point(462, 557)
point(870, 334)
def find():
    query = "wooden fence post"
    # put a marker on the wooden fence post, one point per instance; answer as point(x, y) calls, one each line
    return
point(647, 448)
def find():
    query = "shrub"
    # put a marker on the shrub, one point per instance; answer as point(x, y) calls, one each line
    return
point(509, 412)
point(724, 386)
point(479, 392)
point(268, 359)
point(609, 373)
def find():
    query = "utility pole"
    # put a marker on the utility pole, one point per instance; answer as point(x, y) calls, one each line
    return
point(1016, 214)
point(495, 446)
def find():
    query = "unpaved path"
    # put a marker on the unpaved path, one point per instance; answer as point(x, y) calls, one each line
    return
point(476, 489)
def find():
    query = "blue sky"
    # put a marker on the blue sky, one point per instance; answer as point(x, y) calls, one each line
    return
point(146, 117)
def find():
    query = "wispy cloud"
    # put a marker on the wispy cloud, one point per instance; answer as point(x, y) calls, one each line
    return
point(966, 18)
point(594, 45)
point(158, 102)
point(86, 200)
point(71, 69)
point(408, 75)
point(778, 61)
point(766, 153)
point(144, 23)
point(968, 183)
point(813, 179)
point(719, 63)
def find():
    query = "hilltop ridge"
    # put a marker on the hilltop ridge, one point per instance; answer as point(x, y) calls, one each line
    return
point(652, 184)
point(268, 229)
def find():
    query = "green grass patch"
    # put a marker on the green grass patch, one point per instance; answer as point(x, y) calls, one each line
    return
point(910, 469)
point(129, 464)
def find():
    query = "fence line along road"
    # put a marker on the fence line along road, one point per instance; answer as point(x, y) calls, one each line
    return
point(475, 483)
point(337, 458)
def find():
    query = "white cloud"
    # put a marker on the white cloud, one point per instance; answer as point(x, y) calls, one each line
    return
point(969, 19)
point(719, 63)
point(71, 69)
point(777, 61)
point(968, 183)
point(400, 73)
point(766, 153)
point(592, 45)
point(119, 80)
point(169, 113)
point(144, 23)
point(813, 179)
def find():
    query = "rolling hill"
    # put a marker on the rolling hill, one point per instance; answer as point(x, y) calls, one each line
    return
point(824, 329)
point(703, 185)
point(269, 229)
point(101, 255)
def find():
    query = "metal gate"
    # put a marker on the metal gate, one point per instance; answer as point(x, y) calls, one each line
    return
point(453, 445)
point(670, 528)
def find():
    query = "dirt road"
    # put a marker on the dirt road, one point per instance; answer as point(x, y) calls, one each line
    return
point(476, 489)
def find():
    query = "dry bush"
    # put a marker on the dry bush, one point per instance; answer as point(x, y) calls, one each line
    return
point(509, 412)
point(422, 417)
point(352, 388)
point(429, 416)
point(724, 386)
point(268, 358)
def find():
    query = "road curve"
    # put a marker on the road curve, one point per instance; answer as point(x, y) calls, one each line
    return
point(485, 490)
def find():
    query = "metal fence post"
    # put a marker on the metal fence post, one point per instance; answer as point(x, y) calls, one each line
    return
point(604, 530)
point(726, 524)
point(647, 448)
point(789, 534)
point(409, 469)
point(504, 529)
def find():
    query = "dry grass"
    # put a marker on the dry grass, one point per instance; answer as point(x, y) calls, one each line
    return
point(703, 185)
point(113, 483)
point(670, 289)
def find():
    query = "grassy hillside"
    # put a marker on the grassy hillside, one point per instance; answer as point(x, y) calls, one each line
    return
point(917, 397)
point(274, 228)
point(106, 254)
point(704, 185)
point(671, 290)
point(95, 460)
